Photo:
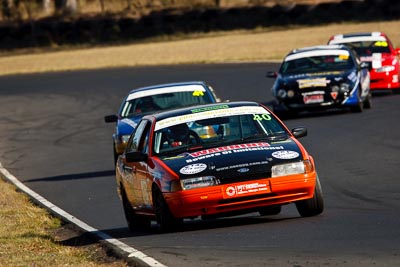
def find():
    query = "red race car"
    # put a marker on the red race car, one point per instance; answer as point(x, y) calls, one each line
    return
point(214, 160)
point(376, 49)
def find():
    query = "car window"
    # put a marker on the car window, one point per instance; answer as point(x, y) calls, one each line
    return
point(159, 102)
point(136, 139)
point(144, 144)
point(317, 64)
point(367, 48)
point(220, 130)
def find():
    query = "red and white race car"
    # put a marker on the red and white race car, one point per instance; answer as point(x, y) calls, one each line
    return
point(214, 160)
point(376, 49)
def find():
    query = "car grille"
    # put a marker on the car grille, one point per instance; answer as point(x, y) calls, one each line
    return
point(246, 198)
point(233, 177)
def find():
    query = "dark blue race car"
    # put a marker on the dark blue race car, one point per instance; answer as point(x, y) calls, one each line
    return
point(147, 100)
point(321, 77)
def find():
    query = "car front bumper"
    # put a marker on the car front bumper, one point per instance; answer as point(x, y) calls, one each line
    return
point(384, 80)
point(219, 199)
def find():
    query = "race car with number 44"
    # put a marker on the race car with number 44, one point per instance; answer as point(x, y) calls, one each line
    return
point(376, 49)
point(321, 77)
point(155, 98)
point(214, 160)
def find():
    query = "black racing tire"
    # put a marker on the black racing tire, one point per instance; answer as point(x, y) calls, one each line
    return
point(134, 221)
point(313, 206)
point(166, 221)
point(271, 210)
point(357, 108)
point(368, 102)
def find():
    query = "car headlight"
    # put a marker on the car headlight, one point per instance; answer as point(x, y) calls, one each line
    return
point(385, 69)
point(197, 182)
point(335, 88)
point(292, 168)
point(281, 93)
point(344, 87)
point(125, 138)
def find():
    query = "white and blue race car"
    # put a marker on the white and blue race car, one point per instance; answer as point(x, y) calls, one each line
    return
point(152, 99)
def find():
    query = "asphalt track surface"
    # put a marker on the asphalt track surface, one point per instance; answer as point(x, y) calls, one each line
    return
point(53, 138)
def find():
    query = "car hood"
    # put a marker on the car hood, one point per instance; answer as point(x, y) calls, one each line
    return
point(127, 125)
point(308, 80)
point(233, 162)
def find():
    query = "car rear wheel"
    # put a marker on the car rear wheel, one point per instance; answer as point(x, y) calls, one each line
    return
point(134, 221)
point(166, 221)
point(314, 205)
point(273, 210)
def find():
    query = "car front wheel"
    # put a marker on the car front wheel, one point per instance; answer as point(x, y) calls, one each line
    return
point(314, 205)
point(368, 101)
point(166, 221)
point(359, 106)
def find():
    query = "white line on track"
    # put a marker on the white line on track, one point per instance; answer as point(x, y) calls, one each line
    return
point(129, 253)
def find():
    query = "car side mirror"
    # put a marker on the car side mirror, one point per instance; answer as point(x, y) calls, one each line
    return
point(299, 132)
point(397, 51)
point(135, 156)
point(111, 118)
point(272, 74)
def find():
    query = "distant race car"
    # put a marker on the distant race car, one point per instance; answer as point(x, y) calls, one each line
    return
point(146, 100)
point(376, 49)
point(214, 160)
point(321, 77)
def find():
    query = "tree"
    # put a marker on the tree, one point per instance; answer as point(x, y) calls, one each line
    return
point(102, 6)
point(46, 5)
point(9, 8)
point(66, 7)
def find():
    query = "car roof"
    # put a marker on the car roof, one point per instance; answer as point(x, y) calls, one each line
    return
point(317, 51)
point(357, 37)
point(163, 85)
point(199, 108)
point(168, 87)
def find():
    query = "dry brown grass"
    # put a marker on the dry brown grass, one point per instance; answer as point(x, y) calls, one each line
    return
point(238, 46)
point(29, 229)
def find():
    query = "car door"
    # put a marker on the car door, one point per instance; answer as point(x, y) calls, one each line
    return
point(143, 176)
point(136, 173)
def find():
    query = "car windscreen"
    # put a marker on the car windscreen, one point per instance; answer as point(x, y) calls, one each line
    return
point(321, 63)
point(217, 131)
point(367, 48)
point(153, 103)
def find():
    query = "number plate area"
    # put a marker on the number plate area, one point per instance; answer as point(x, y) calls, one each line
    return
point(246, 189)
point(313, 98)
